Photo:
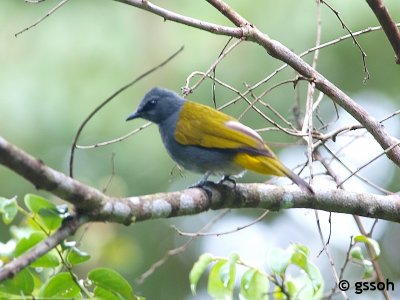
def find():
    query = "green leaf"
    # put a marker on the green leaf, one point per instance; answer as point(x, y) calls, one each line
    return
point(300, 288)
point(369, 241)
point(222, 280)
point(50, 217)
point(356, 253)
point(46, 210)
point(198, 269)
point(77, 256)
point(103, 294)
point(60, 286)
point(48, 260)
point(21, 284)
point(278, 295)
point(8, 209)
point(28, 242)
point(254, 285)
point(299, 256)
point(368, 270)
point(316, 279)
point(35, 203)
point(278, 260)
point(112, 282)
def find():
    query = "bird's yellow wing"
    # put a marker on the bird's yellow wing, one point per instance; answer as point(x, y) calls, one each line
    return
point(203, 126)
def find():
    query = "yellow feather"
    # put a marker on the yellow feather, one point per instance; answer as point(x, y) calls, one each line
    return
point(203, 126)
point(261, 164)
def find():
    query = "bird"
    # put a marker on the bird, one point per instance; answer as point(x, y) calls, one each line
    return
point(207, 141)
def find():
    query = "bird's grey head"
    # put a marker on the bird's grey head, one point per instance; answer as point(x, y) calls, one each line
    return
point(157, 105)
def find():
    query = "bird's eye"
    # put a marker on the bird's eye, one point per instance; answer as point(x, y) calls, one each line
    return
point(150, 105)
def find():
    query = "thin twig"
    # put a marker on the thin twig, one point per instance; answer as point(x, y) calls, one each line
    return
point(180, 249)
point(214, 72)
point(343, 268)
point(120, 90)
point(277, 50)
point(116, 140)
point(201, 233)
point(372, 255)
point(368, 163)
point(362, 178)
point(363, 54)
point(59, 5)
point(187, 90)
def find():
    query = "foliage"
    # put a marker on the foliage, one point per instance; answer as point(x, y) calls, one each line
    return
point(306, 283)
point(255, 283)
point(52, 275)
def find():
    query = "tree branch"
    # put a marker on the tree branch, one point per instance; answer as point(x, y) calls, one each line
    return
point(388, 25)
point(67, 229)
point(100, 207)
point(172, 16)
point(92, 205)
point(281, 52)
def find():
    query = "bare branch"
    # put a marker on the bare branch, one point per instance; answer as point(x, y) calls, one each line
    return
point(105, 102)
point(59, 5)
point(97, 206)
point(363, 54)
point(116, 140)
point(67, 229)
point(171, 16)
point(388, 25)
point(281, 52)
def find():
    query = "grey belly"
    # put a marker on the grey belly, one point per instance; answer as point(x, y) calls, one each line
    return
point(202, 160)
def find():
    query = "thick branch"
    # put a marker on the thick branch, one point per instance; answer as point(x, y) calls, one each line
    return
point(96, 206)
point(99, 207)
point(84, 197)
point(281, 52)
point(388, 25)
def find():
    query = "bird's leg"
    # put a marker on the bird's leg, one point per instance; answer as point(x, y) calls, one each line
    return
point(202, 184)
point(202, 181)
point(228, 178)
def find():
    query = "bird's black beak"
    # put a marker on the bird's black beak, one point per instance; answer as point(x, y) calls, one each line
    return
point(135, 115)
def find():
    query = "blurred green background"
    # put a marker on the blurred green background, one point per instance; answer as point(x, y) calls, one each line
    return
point(54, 75)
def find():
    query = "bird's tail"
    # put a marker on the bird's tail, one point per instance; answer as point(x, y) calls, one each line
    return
point(270, 165)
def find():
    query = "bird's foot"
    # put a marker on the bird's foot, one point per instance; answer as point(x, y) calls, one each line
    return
point(227, 178)
point(205, 185)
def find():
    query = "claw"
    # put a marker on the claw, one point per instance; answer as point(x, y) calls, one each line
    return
point(227, 178)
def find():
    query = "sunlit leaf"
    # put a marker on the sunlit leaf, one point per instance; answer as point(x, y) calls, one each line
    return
point(220, 284)
point(300, 257)
point(369, 241)
point(278, 260)
point(356, 253)
point(8, 209)
point(316, 279)
point(254, 285)
point(198, 269)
